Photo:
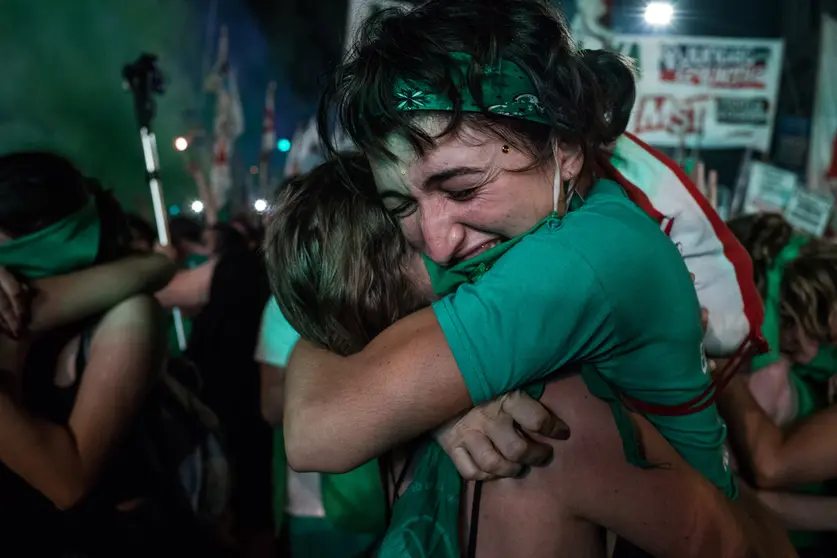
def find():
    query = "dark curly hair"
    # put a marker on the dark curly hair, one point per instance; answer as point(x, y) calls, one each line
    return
point(587, 95)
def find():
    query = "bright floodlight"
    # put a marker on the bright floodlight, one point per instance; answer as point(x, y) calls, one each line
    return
point(659, 13)
point(181, 144)
point(197, 206)
point(260, 205)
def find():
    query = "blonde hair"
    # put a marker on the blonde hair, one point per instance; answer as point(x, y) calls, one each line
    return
point(808, 296)
point(337, 261)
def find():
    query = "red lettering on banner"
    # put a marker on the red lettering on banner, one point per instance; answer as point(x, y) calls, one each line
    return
point(659, 113)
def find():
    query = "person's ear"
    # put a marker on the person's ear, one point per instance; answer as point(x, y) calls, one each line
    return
point(570, 160)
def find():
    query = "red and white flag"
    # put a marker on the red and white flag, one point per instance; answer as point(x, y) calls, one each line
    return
point(228, 123)
point(268, 135)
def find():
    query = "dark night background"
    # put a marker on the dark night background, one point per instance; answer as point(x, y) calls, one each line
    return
point(61, 86)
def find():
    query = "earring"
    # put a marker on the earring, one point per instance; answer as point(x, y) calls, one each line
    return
point(506, 149)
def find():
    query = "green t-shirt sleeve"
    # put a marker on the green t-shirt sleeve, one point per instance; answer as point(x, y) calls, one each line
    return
point(540, 306)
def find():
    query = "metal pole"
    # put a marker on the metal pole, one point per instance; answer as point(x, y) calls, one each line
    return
point(145, 80)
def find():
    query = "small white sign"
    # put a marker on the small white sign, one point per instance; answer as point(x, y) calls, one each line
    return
point(769, 188)
point(809, 211)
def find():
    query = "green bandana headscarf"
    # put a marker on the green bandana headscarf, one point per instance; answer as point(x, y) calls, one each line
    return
point(772, 300)
point(71, 243)
point(506, 91)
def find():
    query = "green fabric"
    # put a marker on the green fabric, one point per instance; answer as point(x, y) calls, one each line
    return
point(604, 390)
point(600, 286)
point(445, 280)
point(70, 244)
point(770, 325)
point(195, 260)
point(317, 537)
point(356, 501)
point(506, 91)
point(425, 519)
point(822, 367)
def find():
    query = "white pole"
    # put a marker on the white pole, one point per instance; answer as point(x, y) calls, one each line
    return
point(152, 165)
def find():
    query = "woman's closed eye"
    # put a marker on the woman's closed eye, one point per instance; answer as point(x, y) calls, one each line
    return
point(403, 209)
point(463, 195)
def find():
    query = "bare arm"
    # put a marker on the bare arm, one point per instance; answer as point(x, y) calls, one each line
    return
point(272, 393)
point(64, 299)
point(802, 512)
point(126, 354)
point(669, 511)
point(188, 289)
point(404, 383)
point(805, 454)
point(772, 389)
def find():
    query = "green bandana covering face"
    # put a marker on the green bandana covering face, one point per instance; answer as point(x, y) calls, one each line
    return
point(770, 327)
point(71, 243)
point(506, 91)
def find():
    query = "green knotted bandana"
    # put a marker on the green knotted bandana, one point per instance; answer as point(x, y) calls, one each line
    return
point(71, 243)
point(506, 91)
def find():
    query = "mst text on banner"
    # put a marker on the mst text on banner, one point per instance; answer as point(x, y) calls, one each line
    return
point(704, 92)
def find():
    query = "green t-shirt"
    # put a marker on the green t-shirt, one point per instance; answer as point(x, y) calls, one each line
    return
point(601, 286)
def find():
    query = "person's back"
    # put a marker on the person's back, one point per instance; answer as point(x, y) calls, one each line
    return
point(225, 332)
point(222, 344)
point(660, 360)
point(622, 301)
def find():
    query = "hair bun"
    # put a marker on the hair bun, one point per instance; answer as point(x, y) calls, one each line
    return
point(615, 75)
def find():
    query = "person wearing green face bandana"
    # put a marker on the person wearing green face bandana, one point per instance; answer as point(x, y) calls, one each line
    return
point(70, 460)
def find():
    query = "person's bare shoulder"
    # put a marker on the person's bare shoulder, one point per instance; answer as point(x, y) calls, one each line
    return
point(137, 309)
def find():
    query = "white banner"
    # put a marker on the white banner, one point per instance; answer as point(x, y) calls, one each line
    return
point(822, 162)
point(775, 190)
point(704, 92)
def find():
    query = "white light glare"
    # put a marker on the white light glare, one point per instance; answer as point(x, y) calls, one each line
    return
point(260, 205)
point(659, 13)
point(181, 144)
point(197, 206)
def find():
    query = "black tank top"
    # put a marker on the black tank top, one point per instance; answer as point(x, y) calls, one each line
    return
point(126, 476)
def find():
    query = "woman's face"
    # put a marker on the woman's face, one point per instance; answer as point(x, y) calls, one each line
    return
point(461, 199)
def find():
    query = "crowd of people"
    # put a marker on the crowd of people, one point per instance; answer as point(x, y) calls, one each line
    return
point(484, 332)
